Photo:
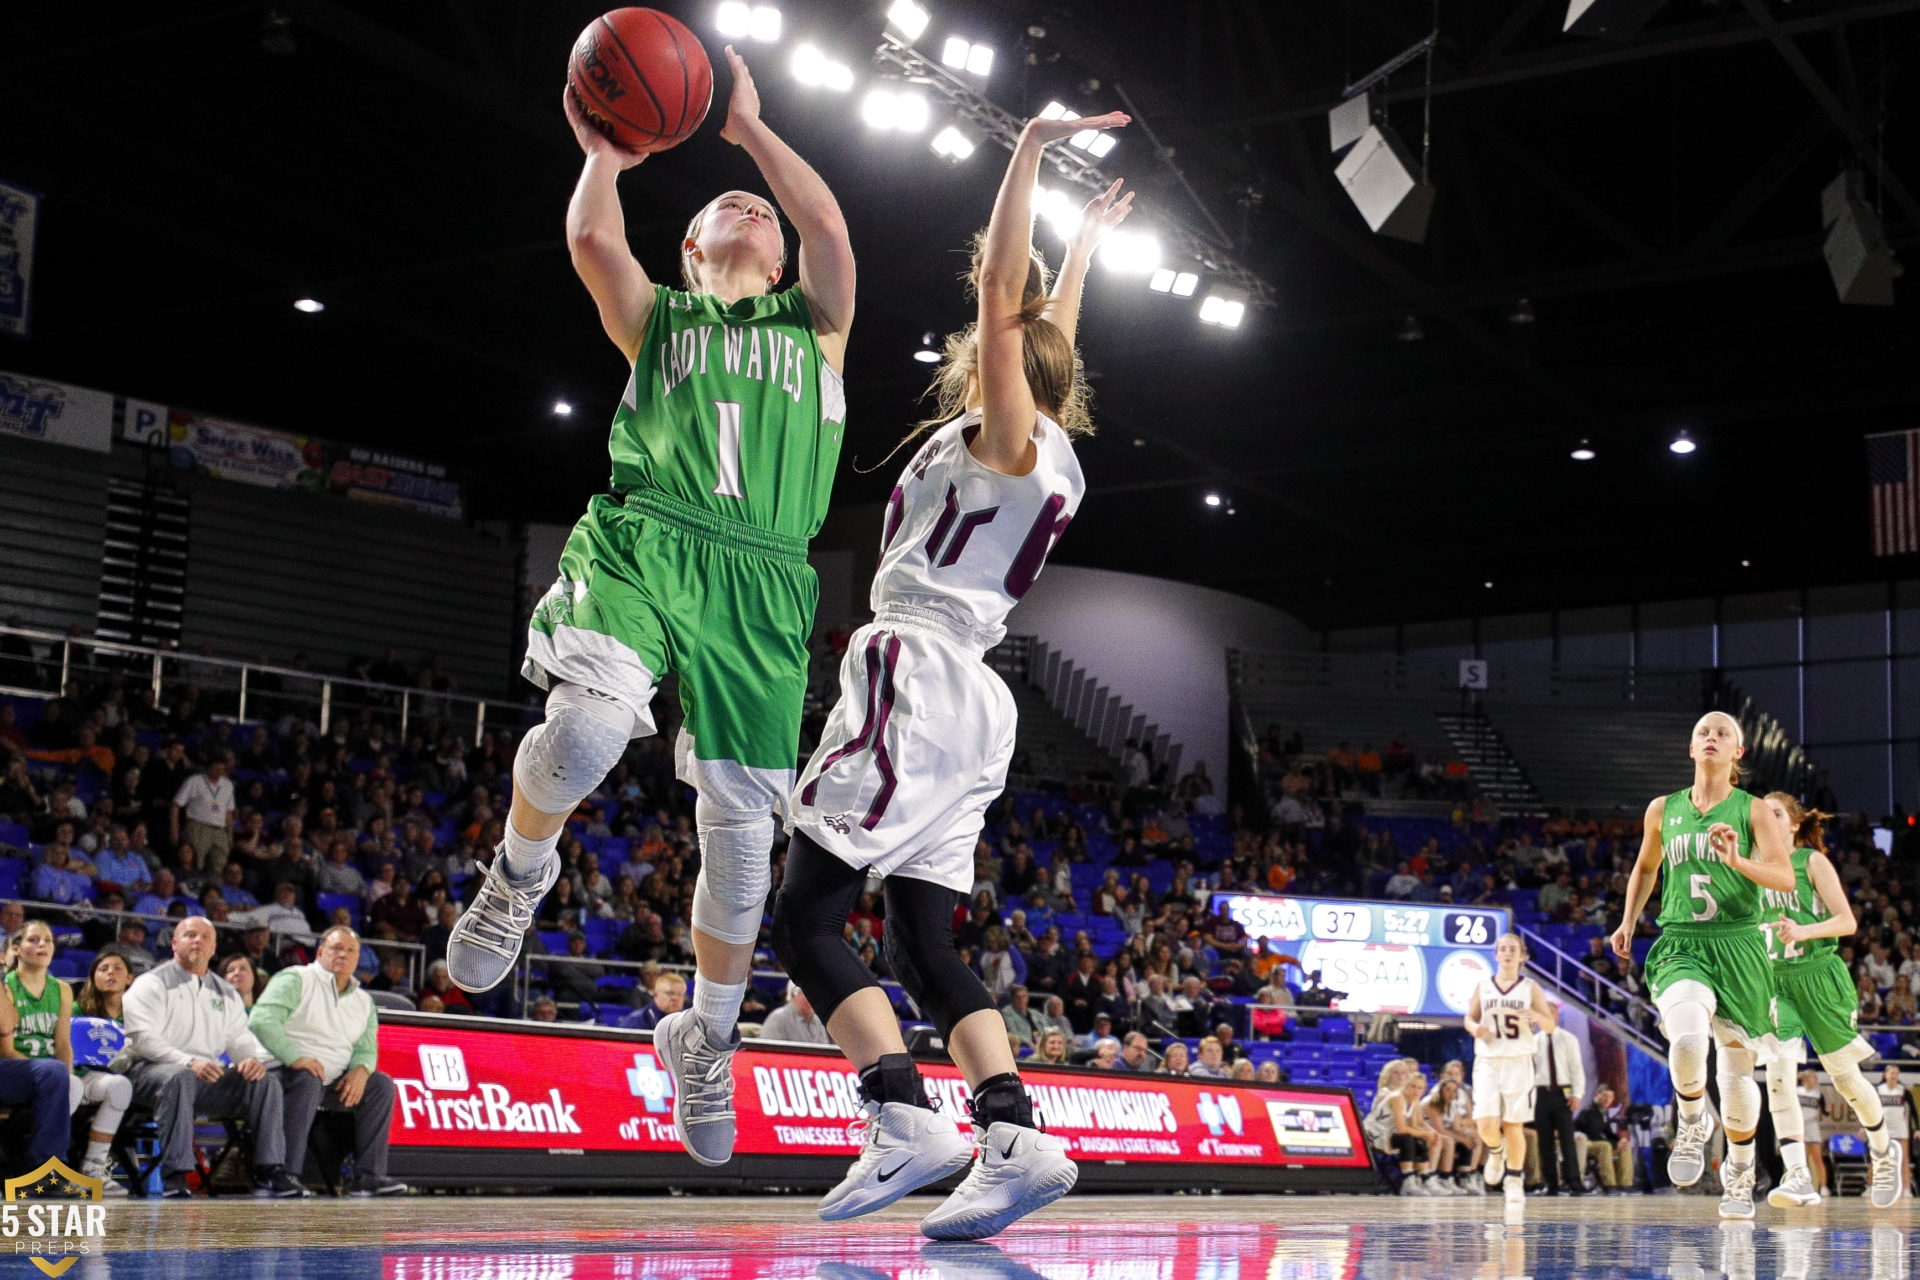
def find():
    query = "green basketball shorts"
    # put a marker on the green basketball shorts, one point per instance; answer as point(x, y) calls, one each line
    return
point(1728, 959)
point(1818, 1001)
point(649, 586)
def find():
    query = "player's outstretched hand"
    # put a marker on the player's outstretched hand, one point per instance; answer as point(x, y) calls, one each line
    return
point(1102, 214)
point(743, 108)
point(591, 140)
point(1044, 131)
point(1622, 941)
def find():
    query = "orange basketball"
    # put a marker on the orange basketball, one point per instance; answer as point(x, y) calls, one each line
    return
point(641, 78)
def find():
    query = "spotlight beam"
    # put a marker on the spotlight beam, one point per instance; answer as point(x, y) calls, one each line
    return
point(1075, 166)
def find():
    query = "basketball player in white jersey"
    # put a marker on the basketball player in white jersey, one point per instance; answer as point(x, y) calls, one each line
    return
point(919, 744)
point(1502, 1016)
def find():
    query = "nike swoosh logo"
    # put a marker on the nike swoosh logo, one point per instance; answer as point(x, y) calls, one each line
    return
point(1008, 1153)
point(886, 1175)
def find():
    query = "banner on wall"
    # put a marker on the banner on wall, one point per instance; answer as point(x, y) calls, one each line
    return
point(282, 460)
point(517, 1090)
point(55, 413)
point(19, 213)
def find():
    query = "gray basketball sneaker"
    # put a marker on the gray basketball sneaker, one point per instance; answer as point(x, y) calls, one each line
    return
point(1795, 1190)
point(1889, 1179)
point(486, 941)
point(702, 1085)
point(1688, 1159)
point(1736, 1183)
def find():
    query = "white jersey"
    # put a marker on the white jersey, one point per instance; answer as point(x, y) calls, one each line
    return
point(965, 541)
point(1501, 1010)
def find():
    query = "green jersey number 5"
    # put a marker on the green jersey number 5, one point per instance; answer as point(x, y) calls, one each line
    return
point(1700, 889)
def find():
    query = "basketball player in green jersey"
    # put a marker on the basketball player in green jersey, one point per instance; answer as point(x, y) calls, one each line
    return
point(1708, 971)
point(1816, 995)
point(724, 448)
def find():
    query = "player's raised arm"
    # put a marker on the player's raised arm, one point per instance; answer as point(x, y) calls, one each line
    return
point(597, 236)
point(1642, 880)
point(1007, 408)
point(826, 254)
point(1102, 214)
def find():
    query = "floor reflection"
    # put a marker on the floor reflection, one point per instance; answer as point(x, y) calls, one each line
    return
point(1126, 1248)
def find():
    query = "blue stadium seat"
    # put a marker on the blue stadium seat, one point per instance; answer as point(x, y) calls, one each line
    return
point(601, 933)
point(555, 940)
point(13, 872)
point(1337, 1030)
point(615, 982)
point(331, 902)
point(1309, 1035)
point(15, 834)
point(613, 852)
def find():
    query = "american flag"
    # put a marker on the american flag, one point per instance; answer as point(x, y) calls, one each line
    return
point(1893, 486)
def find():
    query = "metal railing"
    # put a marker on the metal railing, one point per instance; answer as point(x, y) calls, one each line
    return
point(79, 914)
point(1591, 991)
point(245, 691)
point(1260, 675)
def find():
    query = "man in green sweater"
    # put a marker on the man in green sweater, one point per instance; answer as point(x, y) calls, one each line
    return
point(325, 1031)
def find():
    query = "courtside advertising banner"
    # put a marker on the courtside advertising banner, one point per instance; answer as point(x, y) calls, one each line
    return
point(55, 413)
point(19, 217)
point(488, 1089)
point(282, 460)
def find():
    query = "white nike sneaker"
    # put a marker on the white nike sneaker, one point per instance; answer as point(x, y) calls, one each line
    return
point(1016, 1172)
point(903, 1148)
point(1889, 1177)
point(1688, 1159)
point(1496, 1167)
point(1515, 1191)
point(486, 939)
point(102, 1168)
point(1413, 1184)
point(1795, 1190)
point(1736, 1182)
point(702, 1085)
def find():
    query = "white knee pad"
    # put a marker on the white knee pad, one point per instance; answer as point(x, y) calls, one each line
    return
point(1783, 1100)
point(1739, 1094)
point(1689, 1028)
point(562, 759)
point(1859, 1092)
point(736, 873)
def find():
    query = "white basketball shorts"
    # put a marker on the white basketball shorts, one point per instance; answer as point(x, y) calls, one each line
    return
point(1503, 1088)
point(913, 753)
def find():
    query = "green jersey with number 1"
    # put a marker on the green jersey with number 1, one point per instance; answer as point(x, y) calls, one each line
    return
point(732, 410)
point(1695, 886)
point(1803, 906)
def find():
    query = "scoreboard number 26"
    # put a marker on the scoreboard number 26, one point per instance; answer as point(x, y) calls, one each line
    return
point(1465, 930)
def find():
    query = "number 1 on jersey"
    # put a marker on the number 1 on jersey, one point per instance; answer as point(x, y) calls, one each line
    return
point(727, 412)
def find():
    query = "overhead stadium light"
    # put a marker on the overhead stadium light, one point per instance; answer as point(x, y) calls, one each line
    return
point(1222, 310)
point(1583, 452)
point(1131, 253)
point(312, 306)
point(901, 110)
point(953, 144)
point(1058, 111)
point(962, 55)
point(1058, 209)
point(815, 69)
point(909, 19)
point(1214, 500)
point(561, 409)
point(738, 21)
point(1682, 444)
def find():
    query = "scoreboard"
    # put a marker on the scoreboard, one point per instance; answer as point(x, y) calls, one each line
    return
point(1396, 957)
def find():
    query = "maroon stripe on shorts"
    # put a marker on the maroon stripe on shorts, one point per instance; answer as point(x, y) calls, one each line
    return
point(878, 809)
point(859, 740)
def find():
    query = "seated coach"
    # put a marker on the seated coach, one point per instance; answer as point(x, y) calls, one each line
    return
point(325, 1031)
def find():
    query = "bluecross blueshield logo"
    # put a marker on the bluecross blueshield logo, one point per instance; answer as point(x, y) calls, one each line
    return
point(1221, 1113)
point(647, 1082)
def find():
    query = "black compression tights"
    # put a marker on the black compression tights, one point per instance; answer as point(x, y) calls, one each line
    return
point(809, 922)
